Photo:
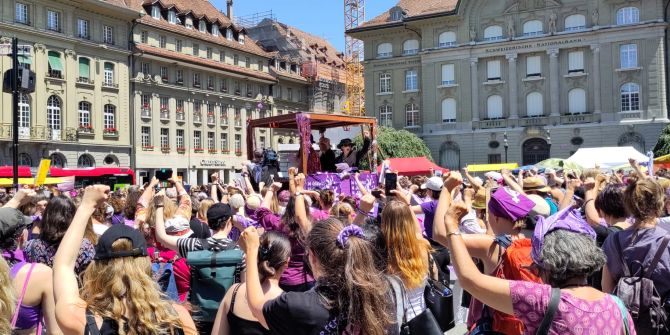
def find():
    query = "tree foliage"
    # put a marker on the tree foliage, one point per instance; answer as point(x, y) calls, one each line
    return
point(395, 144)
point(662, 147)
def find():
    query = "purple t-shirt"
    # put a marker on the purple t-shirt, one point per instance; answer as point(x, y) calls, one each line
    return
point(642, 251)
point(295, 273)
point(575, 316)
point(428, 209)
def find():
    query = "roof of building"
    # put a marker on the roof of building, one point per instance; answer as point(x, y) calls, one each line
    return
point(205, 62)
point(198, 9)
point(412, 9)
point(288, 75)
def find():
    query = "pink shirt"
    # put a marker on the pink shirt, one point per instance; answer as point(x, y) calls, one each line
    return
point(575, 316)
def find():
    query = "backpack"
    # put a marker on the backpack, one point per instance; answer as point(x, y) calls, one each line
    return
point(270, 157)
point(639, 294)
point(213, 272)
point(162, 271)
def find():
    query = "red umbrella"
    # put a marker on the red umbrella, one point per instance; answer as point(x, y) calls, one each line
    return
point(413, 166)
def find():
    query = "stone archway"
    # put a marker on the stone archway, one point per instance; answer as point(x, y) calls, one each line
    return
point(535, 150)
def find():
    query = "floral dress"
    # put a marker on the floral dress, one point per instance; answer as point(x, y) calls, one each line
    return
point(39, 251)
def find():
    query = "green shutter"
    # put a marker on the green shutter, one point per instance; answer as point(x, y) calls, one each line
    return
point(84, 68)
point(54, 61)
point(23, 59)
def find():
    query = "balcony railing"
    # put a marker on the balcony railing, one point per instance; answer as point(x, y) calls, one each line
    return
point(196, 85)
point(165, 115)
point(534, 121)
point(197, 117)
point(212, 151)
point(180, 82)
point(224, 120)
point(238, 122)
point(110, 132)
point(181, 116)
point(54, 74)
point(85, 130)
point(224, 89)
point(198, 150)
point(165, 150)
point(211, 120)
point(489, 124)
point(109, 84)
point(577, 118)
point(181, 150)
point(145, 113)
point(632, 115)
point(84, 80)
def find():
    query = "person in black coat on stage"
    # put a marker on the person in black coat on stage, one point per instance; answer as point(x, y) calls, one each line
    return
point(351, 156)
point(327, 157)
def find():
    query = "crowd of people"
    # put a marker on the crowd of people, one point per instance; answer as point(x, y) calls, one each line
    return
point(538, 252)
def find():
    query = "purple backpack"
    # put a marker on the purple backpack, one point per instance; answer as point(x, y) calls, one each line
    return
point(639, 294)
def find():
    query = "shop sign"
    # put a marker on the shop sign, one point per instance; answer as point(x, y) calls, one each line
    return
point(212, 163)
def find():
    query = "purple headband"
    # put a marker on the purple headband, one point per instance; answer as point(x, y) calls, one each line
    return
point(569, 219)
point(510, 204)
point(348, 231)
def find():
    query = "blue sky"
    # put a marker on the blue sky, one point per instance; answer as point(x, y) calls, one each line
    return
point(324, 18)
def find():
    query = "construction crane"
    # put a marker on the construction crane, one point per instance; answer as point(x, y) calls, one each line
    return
point(354, 16)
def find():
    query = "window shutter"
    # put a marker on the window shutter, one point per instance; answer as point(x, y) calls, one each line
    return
point(533, 65)
point(493, 69)
point(576, 61)
point(447, 72)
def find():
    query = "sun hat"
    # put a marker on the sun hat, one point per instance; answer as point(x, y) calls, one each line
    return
point(253, 202)
point(569, 219)
point(541, 207)
point(177, 224)
point(510, 204)
point(535, 184)
point(479, 200)
point(433, 184)
point(103, 250)
point(345, 142)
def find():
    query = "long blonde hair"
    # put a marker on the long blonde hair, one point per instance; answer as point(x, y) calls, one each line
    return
point(204, 207)
point(122, 289)
point(7, 298)
point(169, 211)
point(407, 254)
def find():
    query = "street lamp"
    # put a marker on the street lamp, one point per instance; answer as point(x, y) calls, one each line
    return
point(549, 142)
point(506, 145)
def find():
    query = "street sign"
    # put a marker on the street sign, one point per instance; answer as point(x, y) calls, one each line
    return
point(5, 49)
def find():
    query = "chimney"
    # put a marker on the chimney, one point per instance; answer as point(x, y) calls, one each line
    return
point(229, 9)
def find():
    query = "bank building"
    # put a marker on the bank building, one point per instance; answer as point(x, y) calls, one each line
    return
point(484, 81)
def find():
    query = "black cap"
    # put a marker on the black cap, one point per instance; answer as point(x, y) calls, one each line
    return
point(344, 143)
point(12, 220)
point(219, 212)
point(104, 248)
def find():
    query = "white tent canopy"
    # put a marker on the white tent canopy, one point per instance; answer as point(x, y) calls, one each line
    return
point(606, 157)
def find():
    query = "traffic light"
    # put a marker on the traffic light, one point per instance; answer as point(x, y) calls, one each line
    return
point(26, 81)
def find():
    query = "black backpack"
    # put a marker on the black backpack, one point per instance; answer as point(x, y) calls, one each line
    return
point(639, 294)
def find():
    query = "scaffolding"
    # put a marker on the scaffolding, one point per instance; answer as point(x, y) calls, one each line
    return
point(254, 19)
point(354, 16)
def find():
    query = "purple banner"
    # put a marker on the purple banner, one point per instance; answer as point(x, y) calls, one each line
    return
point(335, 182)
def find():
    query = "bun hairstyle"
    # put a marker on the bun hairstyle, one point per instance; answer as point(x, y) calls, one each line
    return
point(644, 199)
point(274, 252)
point(349, 282)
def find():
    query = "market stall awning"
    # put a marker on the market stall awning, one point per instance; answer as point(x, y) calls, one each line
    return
point(317, 121)
point(607, 157)
point(413, 166)
point(491, 167)
point(662, 159)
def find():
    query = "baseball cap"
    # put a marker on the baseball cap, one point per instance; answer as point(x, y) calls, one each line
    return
point(11, 220)
point(433, 184)
point(103, 250)
point(219, 212)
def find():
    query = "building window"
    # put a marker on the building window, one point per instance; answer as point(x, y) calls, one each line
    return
point(224, 142)
point(577, 101)
point(236, 60)
point(162, 42)
point(53, 20)
point(146, 101)
point(229, 34)
point(180, 105)
point(493, 33)
point(144, 37)
point(84, 114)
point(410, 47)
point(109, 74)
point(575, 22)
point(164, 74)
point(156, 12)
point(385, 83)
point(532, 28)
point(495, 159)
point(83, 29)
point(109, 117)
point(24, 112)
point(202, 26)
point(222, 56)
point(196, 50)
point(53, 113)
point(85, 161)
point(289, 94)
point(386, 116)
point(165, 103)
point(533, 66)
point(247, 62)
point(238, 117)
point(197, 106)
point(177, 45)
point(210, 83)
point(146, 137)
point(25, 159)
point(240, 38)
point(412, 115)
point(627, 15)
point(493, 70)
point(448, 74)
point(165, 138)
point(180, 138)
point(172, 16)
point(58, 160)
point(396, 14)
point(108, 34)
point(411, 80)
point(55, 65)
point(209, 53)
point(197, 140)
point(628, 54)
point(215, 30)
point(385, 50)
point(261, 66)
point(449, 110)
point(534, 105)
point(196, 80)
point(630, 97)
point(211, 145)
point(446, 39)
point(575, 62)
point(494, 107)
point(188, 23)
point(238, 143)
point(22, 14)
point(84, 70)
